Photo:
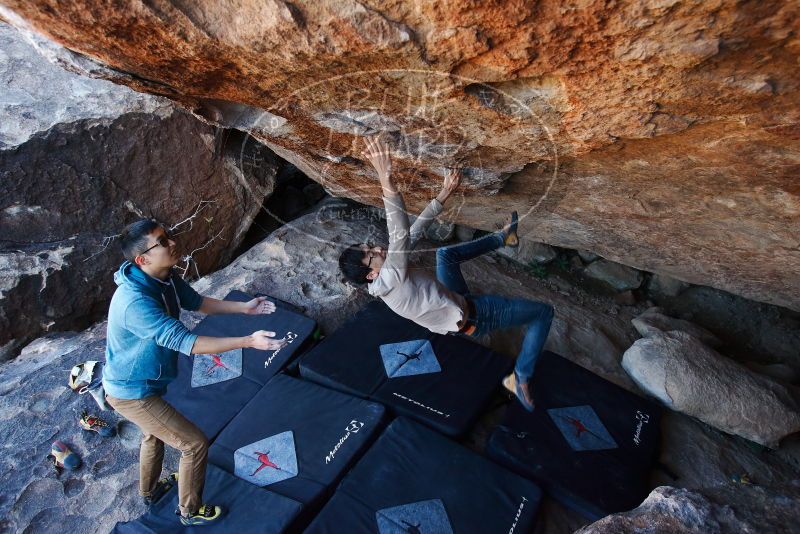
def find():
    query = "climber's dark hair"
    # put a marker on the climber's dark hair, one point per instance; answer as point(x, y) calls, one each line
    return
point(351, 266)
point(133, 238)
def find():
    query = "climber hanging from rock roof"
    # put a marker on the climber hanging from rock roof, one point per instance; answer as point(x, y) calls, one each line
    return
point(443, 304)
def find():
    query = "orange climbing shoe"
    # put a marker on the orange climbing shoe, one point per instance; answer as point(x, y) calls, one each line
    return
point(511, 239)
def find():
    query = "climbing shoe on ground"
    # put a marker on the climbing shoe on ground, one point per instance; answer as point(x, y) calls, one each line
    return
point(93, 423)
point(510, 239)
point(162, 487)
point(744, 478)
point(512, 384)
point(62, 457)
point(206, 515)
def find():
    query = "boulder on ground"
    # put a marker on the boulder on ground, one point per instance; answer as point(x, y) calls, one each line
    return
point(726, 508)
point(618, 276)
point(653, 321)
point(689, 377)
point(666, 285)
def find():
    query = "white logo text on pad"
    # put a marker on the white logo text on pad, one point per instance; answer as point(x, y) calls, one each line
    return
point(641, 420)
point(519, 514)
point(290, 337)
point(352, 428)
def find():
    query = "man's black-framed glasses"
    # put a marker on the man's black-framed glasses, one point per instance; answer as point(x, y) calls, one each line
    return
point(161, 241)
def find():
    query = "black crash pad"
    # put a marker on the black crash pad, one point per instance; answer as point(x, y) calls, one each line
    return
point(297, 438)
point(416, 480)
point(443, 381)
point(248, 509)
point(210, 389)
point(589, 443)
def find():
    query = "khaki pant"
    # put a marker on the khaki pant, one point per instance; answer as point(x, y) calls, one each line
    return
point(161, 423)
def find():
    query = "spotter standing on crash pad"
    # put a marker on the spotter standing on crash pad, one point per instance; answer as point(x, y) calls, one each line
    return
point(144, 338)
point(443, 304)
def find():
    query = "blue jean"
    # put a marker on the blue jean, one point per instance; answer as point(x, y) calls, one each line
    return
point(495, 312)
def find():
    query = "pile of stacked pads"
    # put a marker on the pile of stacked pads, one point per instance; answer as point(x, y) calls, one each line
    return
point(365, 438)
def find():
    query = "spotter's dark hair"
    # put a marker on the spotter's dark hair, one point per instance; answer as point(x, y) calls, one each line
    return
point(133, 238)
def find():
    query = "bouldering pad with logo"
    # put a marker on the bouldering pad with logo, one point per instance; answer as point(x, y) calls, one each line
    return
point(211, 388)
point(297, 438)
point(589, 443)
point(247, 509)
point(416, 480)
point(443, 381)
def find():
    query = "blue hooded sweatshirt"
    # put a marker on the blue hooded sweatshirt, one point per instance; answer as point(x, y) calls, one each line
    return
point(144, 334)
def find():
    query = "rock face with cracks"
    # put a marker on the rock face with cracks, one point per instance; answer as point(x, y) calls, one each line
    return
point(691, 378)
point(80, 159)
point(726, 508)
point(661, 135)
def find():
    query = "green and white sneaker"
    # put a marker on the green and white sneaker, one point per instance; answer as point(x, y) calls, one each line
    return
point(206, 515)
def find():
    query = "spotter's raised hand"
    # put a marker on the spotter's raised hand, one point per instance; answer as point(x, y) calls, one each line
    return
point(262, 340)
point(258, 306)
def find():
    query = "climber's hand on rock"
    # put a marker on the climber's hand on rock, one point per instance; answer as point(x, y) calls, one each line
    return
point(452, 179)
point(377, 152)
